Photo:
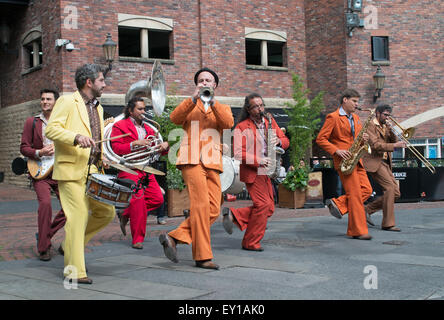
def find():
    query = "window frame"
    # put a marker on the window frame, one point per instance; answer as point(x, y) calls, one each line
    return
point(146, 25)
point(386, 48)
point(30, 60)
point(265, 37)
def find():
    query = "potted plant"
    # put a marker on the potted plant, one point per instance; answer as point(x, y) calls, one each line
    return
point(304, 119)
point(176, 194)
point(292, 189)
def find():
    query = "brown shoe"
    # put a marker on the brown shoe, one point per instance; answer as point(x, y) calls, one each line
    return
point(45, 256)
point(137, 245)
point(334, 210)
point(206, 264)
point(169, 247)
point(123, 223)
point(84, 280)
point(363, 237)
point(392, 228)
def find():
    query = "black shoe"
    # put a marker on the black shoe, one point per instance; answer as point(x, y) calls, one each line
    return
point(260, 249)
point(227, 220)
point(61, 251)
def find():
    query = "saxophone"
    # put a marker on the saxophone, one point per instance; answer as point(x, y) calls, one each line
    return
point(357, 149)
point(273, 152)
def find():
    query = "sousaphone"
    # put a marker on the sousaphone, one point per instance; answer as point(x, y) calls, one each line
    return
point(153, 88)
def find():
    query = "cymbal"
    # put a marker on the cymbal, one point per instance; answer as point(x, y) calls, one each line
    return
point(122, 168)
point(148, 169)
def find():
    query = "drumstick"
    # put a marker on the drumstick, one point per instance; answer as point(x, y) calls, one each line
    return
point(112, 138)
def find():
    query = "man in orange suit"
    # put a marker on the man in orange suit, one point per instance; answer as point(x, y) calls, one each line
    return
point(149, 197)
point(336, 137)
point(382, 140)
point(251, 149)
point(200, 160)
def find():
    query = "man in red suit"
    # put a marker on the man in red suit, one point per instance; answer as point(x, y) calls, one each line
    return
point(146, 199)
point(35, 145)
point(250, 147)
point(336, 137)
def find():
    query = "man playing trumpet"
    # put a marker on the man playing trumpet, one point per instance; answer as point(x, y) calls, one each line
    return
point(378, 164)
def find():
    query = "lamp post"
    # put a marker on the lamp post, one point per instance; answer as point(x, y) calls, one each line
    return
point(378, 79)
point(109, 51)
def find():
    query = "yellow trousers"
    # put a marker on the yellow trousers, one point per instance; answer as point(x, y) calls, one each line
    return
point(84, 218)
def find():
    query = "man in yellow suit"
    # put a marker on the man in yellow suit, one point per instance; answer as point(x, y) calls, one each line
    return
point(75, 124)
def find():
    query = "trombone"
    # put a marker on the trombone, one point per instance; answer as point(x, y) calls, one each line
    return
point(403, 136)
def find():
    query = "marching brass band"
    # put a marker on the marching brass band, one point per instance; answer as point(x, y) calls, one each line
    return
point(86, 144)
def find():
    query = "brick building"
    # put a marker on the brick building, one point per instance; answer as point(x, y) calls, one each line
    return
point(252, 45)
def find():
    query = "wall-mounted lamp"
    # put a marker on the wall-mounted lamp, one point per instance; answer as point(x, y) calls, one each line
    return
point(352, 19)
point(109, 51)
point(378, 79)
point(66, 43)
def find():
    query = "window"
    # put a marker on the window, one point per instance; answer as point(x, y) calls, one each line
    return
point(32, 49)
point(429, 148)
point(145, 37)
point(265, 48)
point(380, 49)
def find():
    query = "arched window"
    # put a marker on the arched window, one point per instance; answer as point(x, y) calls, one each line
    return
point(32, 48)
point(266, 48)
point(145, 37)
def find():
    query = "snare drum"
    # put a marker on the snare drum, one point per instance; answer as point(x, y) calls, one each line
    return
point(230, 179)
point(103, 188)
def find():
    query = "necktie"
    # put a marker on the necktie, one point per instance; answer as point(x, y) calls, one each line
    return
point(352, 125)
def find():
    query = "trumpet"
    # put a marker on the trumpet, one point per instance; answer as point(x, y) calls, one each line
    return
point(206, 94)
point(403, 135)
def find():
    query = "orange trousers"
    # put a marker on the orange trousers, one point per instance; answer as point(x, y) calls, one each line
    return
point(357, 190)
point(204, 191)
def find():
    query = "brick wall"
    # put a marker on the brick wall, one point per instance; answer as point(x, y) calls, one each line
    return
point(414, 77)
point(16, 88)
point(223, 47)
point(12, 120)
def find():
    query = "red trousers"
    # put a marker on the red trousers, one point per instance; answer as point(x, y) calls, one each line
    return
point(141, 202)
point(47, 228)
point(254, 218)
point(357, 190)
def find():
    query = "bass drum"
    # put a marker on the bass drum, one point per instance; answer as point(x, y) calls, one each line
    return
point(230, 179)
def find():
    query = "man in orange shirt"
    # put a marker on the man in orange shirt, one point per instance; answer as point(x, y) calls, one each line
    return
point(336, 137)
point(200, 160)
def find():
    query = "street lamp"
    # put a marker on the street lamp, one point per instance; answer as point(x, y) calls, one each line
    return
point(109, 51)
point(378, 79)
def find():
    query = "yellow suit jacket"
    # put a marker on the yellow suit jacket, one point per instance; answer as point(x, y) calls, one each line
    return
point(69, 118)
point(204, 132)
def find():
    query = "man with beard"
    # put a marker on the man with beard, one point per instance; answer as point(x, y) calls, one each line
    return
point(75, 124)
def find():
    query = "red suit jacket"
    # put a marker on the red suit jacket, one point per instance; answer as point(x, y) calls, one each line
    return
point(31, 140)
point(247, 147)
